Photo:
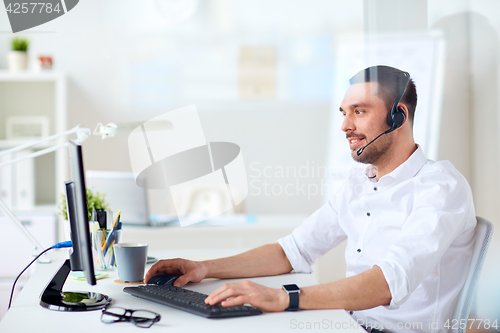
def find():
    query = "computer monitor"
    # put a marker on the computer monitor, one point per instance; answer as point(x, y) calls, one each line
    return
point(80, 211)
point(81, 258)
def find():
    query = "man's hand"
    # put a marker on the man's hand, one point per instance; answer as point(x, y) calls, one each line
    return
point(247, 292)
point(187, 270)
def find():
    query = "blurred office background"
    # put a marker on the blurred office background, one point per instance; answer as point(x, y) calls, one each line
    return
point(265, 75)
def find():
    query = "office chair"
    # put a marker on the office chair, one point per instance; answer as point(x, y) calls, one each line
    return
point(484, 231)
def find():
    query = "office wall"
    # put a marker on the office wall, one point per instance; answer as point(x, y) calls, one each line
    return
point(485, 58)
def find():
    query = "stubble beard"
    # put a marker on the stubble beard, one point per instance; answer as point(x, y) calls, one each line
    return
point(375, 152)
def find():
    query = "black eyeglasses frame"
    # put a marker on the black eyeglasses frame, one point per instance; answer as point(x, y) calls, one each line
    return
point(128, 316)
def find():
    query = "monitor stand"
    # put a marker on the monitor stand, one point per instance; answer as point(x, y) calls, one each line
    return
point(54, 298)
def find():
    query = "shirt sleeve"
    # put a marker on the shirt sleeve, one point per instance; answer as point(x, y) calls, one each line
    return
point(318, 233)
point(442, 211)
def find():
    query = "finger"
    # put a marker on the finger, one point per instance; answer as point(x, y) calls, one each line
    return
point(225, 294)
point(151, 272)
point(162, 266)
point(183, 280)
point(154, 270)
point(217, 292)
point(235, 301)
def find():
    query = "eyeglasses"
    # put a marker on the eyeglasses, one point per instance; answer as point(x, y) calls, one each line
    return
point(140, 318)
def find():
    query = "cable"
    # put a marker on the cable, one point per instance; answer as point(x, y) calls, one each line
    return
point(57, 246)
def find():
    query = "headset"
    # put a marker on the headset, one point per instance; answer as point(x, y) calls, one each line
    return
point(396, 116)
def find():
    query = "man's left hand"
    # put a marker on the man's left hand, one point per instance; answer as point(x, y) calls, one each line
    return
point(247, 292)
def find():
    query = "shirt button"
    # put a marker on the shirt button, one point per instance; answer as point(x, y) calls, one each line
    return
point(368, 214)
point(359, 250)
point(375, 189)
point(351, 312)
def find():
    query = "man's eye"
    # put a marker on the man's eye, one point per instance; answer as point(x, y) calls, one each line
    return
point(359, 111)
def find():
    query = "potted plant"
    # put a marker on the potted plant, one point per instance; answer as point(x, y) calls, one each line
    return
point(94, 200)
point(17, 58)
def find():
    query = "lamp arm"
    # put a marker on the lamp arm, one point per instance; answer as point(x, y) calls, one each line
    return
point(35, 154)
point(82, 134)
point(15, 220)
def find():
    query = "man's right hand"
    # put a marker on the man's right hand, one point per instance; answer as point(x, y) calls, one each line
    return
point(187, 270)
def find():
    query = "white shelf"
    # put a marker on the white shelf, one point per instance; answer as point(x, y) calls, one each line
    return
point(30, 93)
point(29, 76)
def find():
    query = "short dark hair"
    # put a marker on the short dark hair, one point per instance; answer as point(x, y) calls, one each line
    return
point(390, 83)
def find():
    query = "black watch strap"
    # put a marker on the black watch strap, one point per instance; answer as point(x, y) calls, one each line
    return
point(293, 292)
point(294, 301)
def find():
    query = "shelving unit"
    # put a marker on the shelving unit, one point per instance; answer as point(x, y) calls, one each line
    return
point(37, 94)
point(32, 94)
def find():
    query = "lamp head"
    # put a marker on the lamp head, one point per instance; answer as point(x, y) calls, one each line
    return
point(106, 131)
point(122, 129)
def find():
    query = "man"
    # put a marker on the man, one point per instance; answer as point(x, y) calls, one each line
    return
point(409, 224)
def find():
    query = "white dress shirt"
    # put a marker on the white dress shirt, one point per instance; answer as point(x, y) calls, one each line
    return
point(416, 223)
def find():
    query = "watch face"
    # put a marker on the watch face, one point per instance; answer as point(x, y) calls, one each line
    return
point(291, 287)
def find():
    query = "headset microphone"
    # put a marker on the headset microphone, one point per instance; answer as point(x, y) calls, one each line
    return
point(360, 150)
point(396, 117)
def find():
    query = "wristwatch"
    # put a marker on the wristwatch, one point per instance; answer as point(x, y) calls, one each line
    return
point(293, 291)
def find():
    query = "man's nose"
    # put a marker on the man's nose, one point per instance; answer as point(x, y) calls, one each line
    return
point(348, 124)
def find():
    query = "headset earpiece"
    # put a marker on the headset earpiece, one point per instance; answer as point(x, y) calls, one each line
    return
point(396, 117)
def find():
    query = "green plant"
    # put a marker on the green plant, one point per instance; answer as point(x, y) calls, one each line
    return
point(94, 200)
point(20, 44)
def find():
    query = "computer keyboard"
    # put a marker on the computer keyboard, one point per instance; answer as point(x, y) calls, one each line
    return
point(188, 300)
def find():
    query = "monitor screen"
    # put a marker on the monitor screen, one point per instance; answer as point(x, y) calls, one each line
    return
point(75, 256)
point(81, 212)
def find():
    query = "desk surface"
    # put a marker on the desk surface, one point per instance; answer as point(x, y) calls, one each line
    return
point(26, 315)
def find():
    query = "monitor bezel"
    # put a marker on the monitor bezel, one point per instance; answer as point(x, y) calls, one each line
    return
point(81, 208)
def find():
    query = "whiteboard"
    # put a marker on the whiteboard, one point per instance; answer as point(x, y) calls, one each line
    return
point(421, 55)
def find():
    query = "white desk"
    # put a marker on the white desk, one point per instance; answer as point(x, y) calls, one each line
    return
point(26, 315)
point(228, 234)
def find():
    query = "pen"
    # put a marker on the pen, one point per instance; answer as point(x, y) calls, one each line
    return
point(111, 236)
point(112, 262)
point(112, 228)
point(102, 240)
point(115, 240)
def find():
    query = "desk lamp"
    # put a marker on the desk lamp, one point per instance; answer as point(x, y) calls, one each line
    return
point(81, 133)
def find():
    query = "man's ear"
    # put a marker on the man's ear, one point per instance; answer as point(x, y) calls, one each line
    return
point(405, 109)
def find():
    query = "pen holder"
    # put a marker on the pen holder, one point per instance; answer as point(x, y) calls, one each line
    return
point(104, 256)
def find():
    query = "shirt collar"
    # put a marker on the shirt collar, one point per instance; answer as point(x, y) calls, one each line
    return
point(407, 169)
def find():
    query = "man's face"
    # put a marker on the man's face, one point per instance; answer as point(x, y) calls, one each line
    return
point(365, 117)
